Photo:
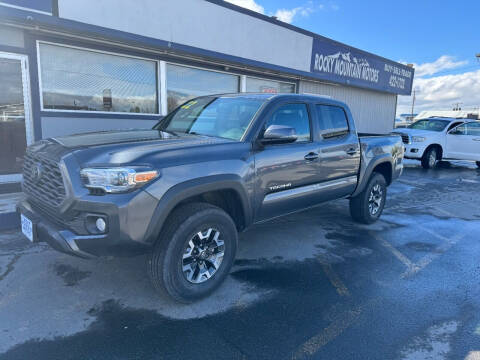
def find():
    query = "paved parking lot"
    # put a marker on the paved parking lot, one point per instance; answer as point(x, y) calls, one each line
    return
point(310, 285)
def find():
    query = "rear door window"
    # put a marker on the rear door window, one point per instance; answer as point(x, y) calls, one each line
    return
point(473, 129)
point(332, 121)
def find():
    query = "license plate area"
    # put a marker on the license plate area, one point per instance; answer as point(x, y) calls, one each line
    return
point(28, 227)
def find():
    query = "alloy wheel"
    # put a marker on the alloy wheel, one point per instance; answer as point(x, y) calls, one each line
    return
point(203, 255)
point(375, 199)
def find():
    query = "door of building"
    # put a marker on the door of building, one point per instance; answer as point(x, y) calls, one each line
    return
point(16, 130)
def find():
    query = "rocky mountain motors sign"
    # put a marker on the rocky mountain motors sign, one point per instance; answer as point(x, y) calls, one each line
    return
point(342, 64)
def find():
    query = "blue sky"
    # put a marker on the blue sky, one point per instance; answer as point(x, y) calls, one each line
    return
point(440, 37)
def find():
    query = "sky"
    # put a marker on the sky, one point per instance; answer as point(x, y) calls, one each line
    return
point(439, 37)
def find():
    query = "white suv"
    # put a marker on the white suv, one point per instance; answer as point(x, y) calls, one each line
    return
point(434, 139)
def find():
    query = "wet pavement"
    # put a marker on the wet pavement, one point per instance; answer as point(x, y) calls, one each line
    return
point(311, 285)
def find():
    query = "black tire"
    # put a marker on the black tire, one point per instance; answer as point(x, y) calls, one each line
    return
point(430, 158)
point(360, 209)
point(478, 164)
point(166, 259)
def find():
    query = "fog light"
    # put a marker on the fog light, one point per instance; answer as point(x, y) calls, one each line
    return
point(101, 225)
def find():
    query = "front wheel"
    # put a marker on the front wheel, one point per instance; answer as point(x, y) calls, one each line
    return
point(429, 159)
point(367, 206)
point(194, 253)
point(478, 164)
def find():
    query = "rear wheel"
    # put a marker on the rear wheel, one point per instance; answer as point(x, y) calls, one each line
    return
point(367, 206)
point(430, 158)
point(478, 164)
point(194, 253)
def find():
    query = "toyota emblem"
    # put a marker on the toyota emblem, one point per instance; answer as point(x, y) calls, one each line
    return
point(37, 171)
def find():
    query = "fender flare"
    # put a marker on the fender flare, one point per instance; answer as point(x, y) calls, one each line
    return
point(179, 192)
point(365, 174)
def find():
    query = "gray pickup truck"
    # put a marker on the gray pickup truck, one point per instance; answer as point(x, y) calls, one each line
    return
point(183, 190)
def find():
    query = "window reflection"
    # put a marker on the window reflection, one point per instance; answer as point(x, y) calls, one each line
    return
point(76, 79)
point(12, 117)
point(268, 86)
point(185, 83)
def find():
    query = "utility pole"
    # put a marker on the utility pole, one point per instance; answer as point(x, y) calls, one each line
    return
point(413, 102)
point(456, 106)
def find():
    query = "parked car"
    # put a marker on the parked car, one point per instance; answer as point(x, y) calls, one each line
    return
point(401, 123)
point(214, 166)
point(435, 139)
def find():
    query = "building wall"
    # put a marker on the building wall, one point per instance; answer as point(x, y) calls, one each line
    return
point(189, 22)
point(373, 111)
point(11, 37)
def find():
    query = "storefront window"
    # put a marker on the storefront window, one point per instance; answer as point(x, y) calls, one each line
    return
point(268, 86)
point(83, 80)
point(185, 83)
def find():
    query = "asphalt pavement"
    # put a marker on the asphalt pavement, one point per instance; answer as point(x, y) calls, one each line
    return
point(310, 285)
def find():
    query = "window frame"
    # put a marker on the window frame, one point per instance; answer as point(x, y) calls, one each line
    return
point(40, 83)
point(267, 79)
point(334, 137)
point(275, 108)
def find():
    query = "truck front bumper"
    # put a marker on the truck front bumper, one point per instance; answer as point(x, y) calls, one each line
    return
point(125, 235)
point(414, 150)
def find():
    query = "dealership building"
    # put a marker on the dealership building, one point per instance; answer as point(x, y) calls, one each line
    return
point(69, 66)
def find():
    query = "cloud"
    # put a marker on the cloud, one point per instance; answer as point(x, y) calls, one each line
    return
point(442, 92)
point(444, 62)
point(248, 4)
point(285, 15)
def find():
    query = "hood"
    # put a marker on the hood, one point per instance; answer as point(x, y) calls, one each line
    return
point(134, 146)
point(416, 132)
point(112, 137)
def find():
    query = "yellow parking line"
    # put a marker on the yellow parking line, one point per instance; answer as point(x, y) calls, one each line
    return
point(406, 261)
point(312, 345)
point(448, 213)
point(434, 233)
point(425, 261)
point(335, 280)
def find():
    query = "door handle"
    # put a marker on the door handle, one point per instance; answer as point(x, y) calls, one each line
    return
point(352, 151)
point(311, 156)
point(476, 139)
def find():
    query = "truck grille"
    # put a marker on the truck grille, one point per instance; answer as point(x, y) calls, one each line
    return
point(405, 139)
point(42, 181)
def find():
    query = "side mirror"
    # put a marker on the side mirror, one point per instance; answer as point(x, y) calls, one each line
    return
point(278, 134)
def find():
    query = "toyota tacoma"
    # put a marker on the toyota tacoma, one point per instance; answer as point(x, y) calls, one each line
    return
point(182, 191)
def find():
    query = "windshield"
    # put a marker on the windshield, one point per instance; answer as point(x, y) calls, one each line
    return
point(226, 117)
point(430, 125)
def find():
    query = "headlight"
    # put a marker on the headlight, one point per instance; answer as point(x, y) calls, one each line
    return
point(115, 180)
point(418, 138)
